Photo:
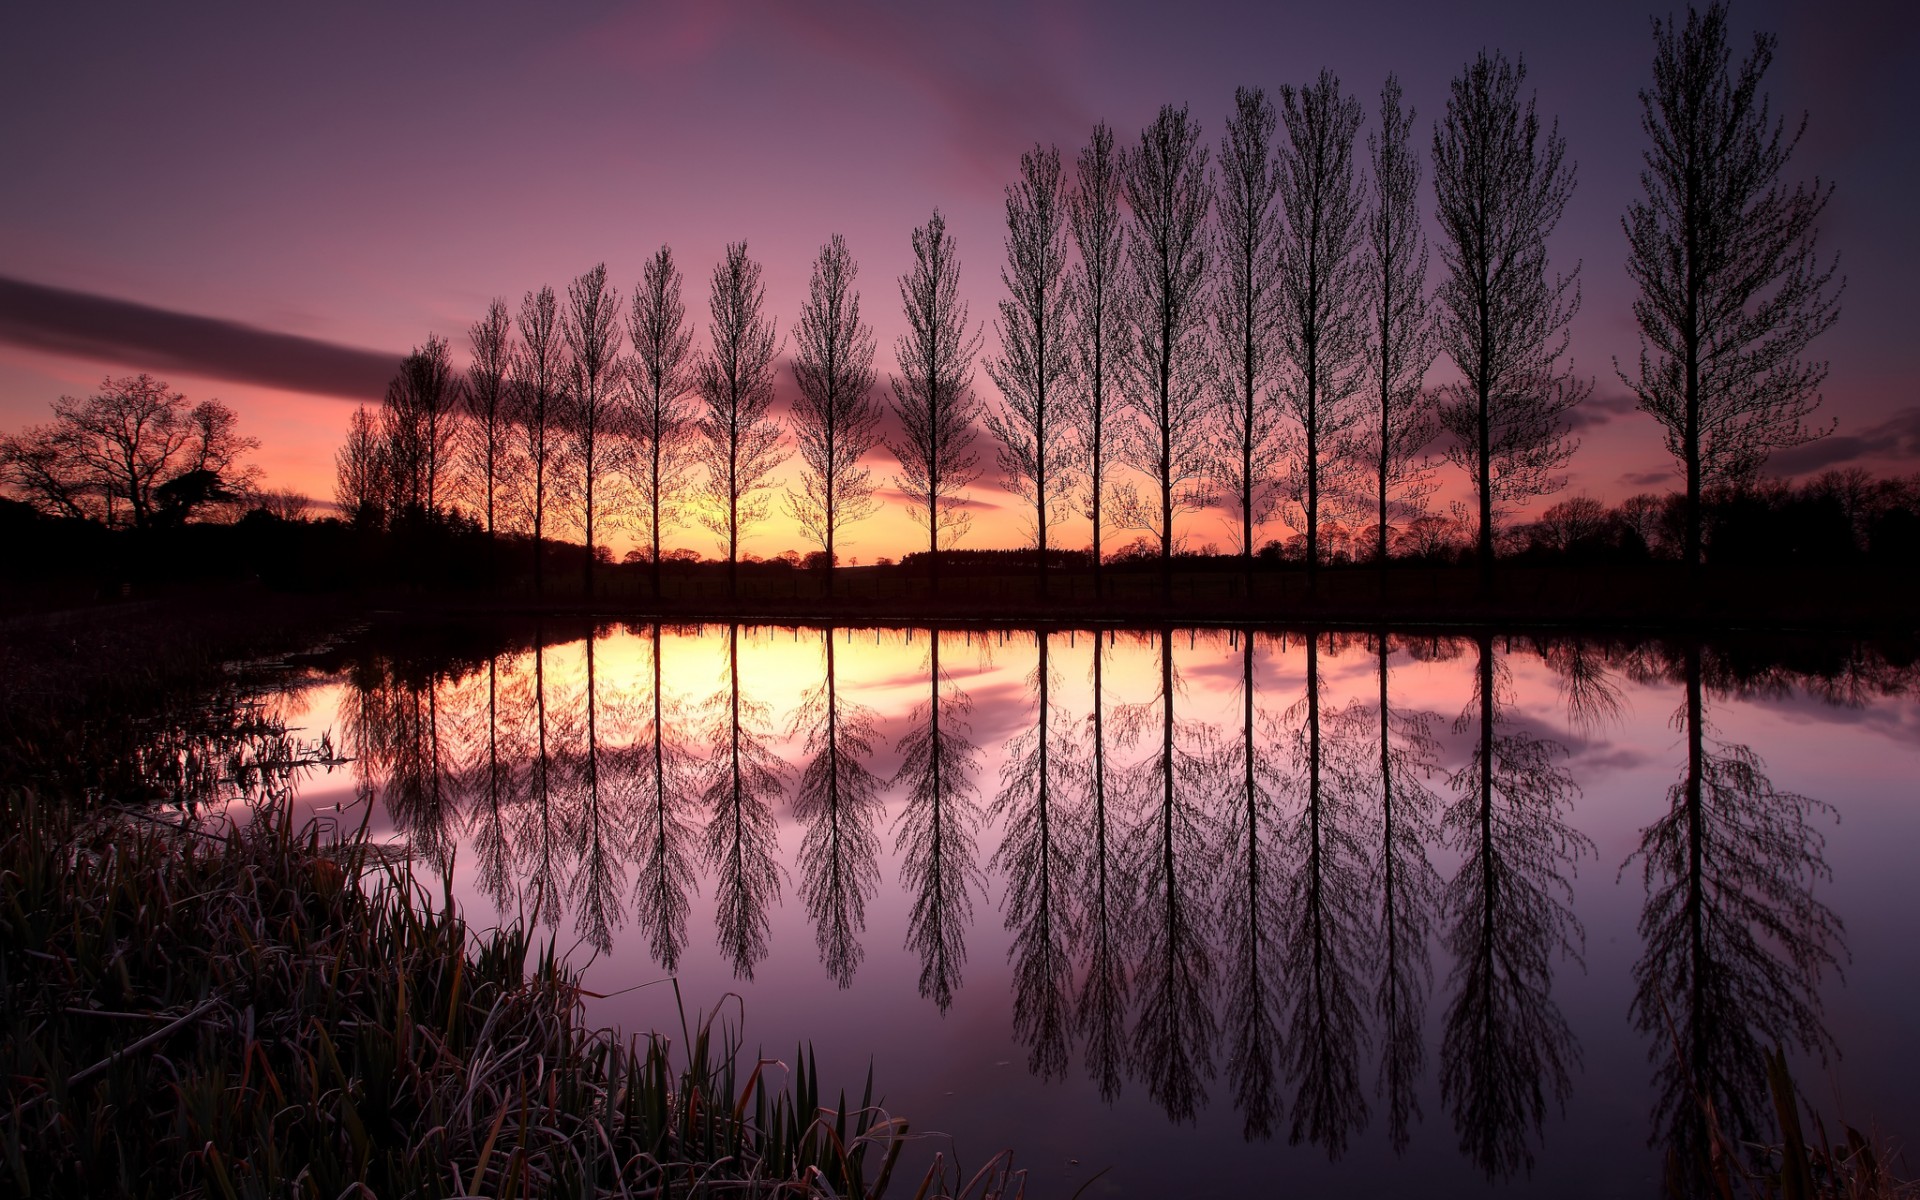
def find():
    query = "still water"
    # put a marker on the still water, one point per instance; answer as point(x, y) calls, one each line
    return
point(1209, 910)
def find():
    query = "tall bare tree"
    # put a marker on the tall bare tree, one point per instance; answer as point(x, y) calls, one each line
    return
point(1400, 343)
point(836, 421)
point(538, 380)
point(1036, 459)
point(739, 439)
point(1167, 187)
point(1499, 191)
point(419, 417)
point(362, 485)
point(595, 412)
point(1732, 286)
point(1322, 286)
point(1097, 287)
point(662, 427)
point(933, 394)
point(485, 449)
point(1247, 311)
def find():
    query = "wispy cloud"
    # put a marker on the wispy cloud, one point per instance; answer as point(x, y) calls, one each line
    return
point(111, 330)
point(1897, 437)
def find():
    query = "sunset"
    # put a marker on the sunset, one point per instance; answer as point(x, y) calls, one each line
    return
point(983, 601)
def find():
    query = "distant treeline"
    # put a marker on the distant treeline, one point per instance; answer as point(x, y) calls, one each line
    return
point(1249, 330)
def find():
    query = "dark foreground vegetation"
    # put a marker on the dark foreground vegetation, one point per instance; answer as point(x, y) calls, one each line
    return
point(269, 1012)
point(198, 1002)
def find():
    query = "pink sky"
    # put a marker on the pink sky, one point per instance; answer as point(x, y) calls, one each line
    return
point(364, 177)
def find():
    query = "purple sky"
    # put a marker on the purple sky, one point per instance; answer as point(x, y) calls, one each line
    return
point(359, 177)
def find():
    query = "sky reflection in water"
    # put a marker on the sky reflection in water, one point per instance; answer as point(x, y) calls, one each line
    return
point(1448, 909)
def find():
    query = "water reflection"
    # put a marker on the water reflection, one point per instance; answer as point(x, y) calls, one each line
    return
point(664, 849)
point(1506, 1050)
point(838, 800)
point(1039, 859)
point(1407, 890)
point(1219, 858)
point(1735, 941)
point(744, 778)
point(1175, 1029)
point(935, 830)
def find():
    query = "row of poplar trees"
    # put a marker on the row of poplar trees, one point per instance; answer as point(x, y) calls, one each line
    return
point(1255, 334)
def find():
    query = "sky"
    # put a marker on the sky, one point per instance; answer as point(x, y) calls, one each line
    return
point(270, 204)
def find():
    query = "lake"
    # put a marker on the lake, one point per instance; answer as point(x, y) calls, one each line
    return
point(1208, 910)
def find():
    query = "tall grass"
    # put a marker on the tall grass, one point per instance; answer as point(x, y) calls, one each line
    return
point(262, 1012)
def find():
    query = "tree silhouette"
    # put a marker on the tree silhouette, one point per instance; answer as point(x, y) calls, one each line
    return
point(1400, 341)
point(1176, 1030)
point(662, 430)
point(540, 832)
point(1100, 1005)
point(484, 449)
point(1167, 186)
point(594, 413)
point(601, 825)
point(122, 448)
point(419, 420)
point(1035, 456)
point(739, 440)
point(1097, 292)
point(1732, 287)
point(1247, 311)
point(838, 800)
point(1252, 912)
point(743, 780)
point(664, 849)
point(362, 482)
point(836, 420)
point(538, 381)
point(1499, 192)
point(933, 394)
point(1323, 284)
point(1040, 858)
point(935, 830)
point(393, 728)
point(493, 783)
point(1506, 1047)
point(1326, 923)
point(1408, 890)
point(1735, 943)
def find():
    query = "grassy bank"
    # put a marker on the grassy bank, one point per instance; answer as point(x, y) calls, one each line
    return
point(265, 1012)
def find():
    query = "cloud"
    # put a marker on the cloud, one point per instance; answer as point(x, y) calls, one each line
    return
point(84, 325)
point(1653, 478)
point(1897, 437)
point(996, 93)
point(971, 500)
point(1599, 410)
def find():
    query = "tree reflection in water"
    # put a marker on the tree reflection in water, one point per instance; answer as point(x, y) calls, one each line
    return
point(1506, 1048)
point(1326, 922)
point(838, 800)
point(1175, 1031)
point(744, 778)
point(935, 830)
point(1252, 908)
point(1407, 889)
point(600, 817)
point(664, 850)
point(1038, 856)
point(1107, 885)
point(1735, 942)
point(1262, 890)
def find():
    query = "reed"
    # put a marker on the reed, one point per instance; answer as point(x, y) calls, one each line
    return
point(263, 1010)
